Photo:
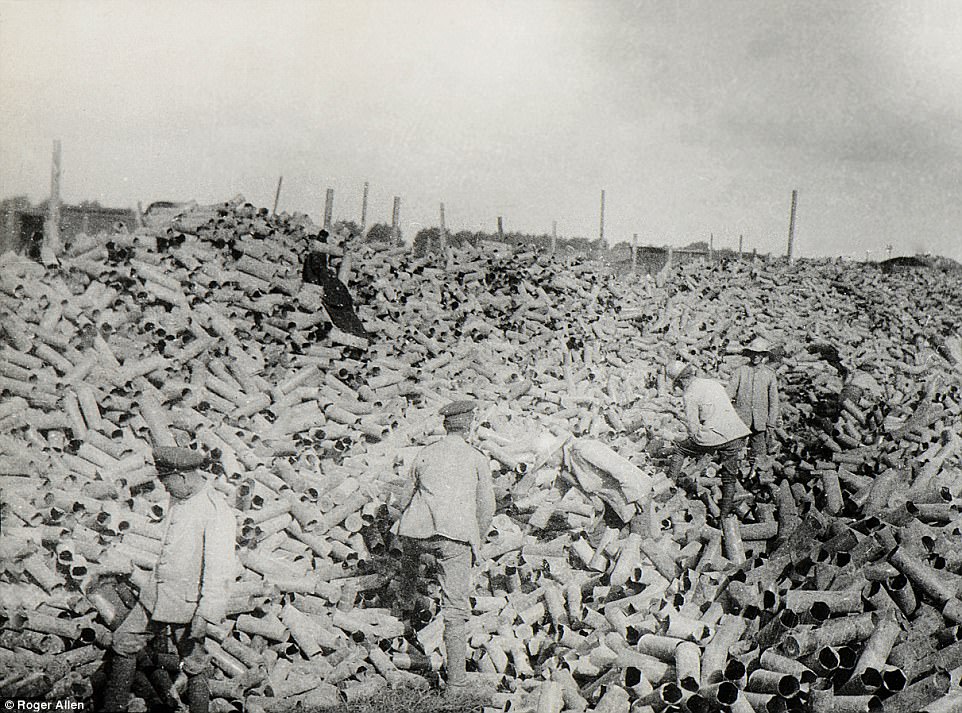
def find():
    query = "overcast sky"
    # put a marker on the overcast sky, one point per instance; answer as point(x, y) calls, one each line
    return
point(695, 117)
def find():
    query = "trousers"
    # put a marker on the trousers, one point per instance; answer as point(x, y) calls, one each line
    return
point(727, 453)
point(136, 633)
point(757, 446)
point(454, 578)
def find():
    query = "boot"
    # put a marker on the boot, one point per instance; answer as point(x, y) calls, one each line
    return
point(456, 648)
point(119, 681)
point(679, 478)
point(144, 689)
point(163, 684)
point(728, 494)
point(198, 694)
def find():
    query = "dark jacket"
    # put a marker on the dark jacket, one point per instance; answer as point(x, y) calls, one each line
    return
point(754, 392)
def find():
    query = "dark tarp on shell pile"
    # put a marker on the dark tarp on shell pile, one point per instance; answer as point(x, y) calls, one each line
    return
point(337, 298)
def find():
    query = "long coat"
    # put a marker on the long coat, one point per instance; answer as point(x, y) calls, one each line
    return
point(197, 561)
point(754, 392)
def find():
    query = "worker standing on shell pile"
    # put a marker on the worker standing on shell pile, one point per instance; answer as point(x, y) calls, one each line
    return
point(713, 428)
point(448, 514)
point(754, 392)
point(337, 298)
point(190, 585)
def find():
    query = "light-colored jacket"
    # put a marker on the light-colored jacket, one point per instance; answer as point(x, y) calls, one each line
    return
point(709, 415)
point(453, 494)
point(754, 391)
point(197, 561)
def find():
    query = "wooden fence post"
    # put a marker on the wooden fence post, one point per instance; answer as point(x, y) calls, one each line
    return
point(396, 220)
point(364, 209)
point(554, 237)
point(634, 253)
point(601, 227)
point(329, 209)
point(791, 229)
point(442, 237)
point(53, 209)
point(740, 239)
point(12, 230)
point(277, 195)
point(500, 229)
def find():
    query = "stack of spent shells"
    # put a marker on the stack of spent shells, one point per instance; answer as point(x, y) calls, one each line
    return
point(602, 587)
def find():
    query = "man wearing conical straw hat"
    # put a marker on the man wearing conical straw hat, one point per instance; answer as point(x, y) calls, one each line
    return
point(714, 427)
point(448, 514)
point(754, 392)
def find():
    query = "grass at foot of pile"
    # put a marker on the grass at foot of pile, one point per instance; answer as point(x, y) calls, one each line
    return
point(410, 699)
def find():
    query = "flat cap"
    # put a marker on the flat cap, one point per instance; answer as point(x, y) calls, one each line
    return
point(169, 458)
point(457, 407)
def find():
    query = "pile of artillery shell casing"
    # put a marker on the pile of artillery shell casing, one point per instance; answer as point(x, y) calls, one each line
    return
point(835, 588)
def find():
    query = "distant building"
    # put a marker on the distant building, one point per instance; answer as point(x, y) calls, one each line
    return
point(18, 222)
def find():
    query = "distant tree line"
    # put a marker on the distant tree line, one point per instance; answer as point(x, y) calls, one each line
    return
point(430, 238)
point(381, 233)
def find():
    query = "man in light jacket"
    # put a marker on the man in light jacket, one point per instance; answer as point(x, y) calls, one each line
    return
point(448, 514)
point(754, 392)
point(190, 584)
point(713, 428)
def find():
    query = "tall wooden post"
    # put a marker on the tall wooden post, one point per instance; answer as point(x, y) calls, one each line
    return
point(740, 239)
point(601, 226)
point(634, 253)
point(711, 247)
point(500, 229)
point(329, 209)
point(791, 229)
point(53, 214)
point(442, 237)
point(554, 236)
point(277, 195)
point(396, 220)
point(13, 238)
point(364, 209)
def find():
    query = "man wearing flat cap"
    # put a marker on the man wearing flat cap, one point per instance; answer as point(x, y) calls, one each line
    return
point(448, 515)
point(713, 426)
point(189, 587)
point(754, 392)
